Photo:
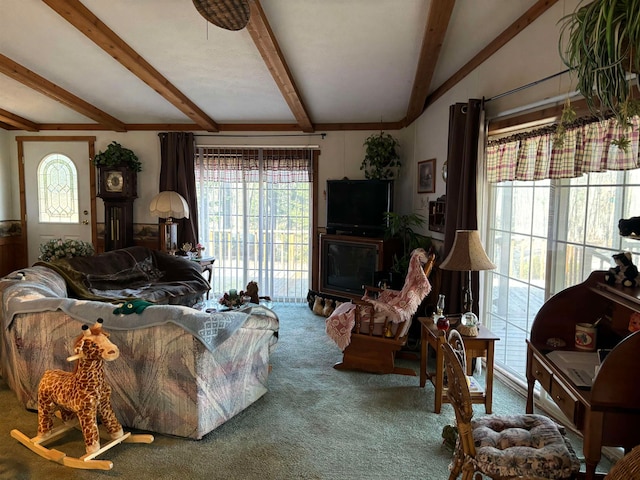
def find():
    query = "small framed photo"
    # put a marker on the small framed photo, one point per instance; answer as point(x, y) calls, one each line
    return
point(426, 178)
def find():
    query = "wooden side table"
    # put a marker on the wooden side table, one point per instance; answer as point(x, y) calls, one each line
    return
point(474, 346)
point(206, 264)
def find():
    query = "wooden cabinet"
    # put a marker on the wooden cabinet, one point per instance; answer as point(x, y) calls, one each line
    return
point(608, 412)
point(347, 263)
point(436, 215)
point(118, 227)
point(117, 186)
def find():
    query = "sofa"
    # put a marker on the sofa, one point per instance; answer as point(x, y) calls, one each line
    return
point(136, 272)
point(181, 371)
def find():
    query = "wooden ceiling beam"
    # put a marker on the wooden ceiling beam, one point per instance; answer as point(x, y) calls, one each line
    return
point(262, 35)
point(20, 123)
point(496, 44)
point(6, 126)
point(51, 90)
point(434, 33)
point(97, 31)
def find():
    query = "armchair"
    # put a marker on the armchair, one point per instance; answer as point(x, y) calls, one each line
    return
point(502, 446)
point(370, 331)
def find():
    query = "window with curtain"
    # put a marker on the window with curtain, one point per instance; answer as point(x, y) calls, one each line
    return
point(255, 209)
point(553, 219)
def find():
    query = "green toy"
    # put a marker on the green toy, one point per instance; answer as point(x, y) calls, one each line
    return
point(133, 306)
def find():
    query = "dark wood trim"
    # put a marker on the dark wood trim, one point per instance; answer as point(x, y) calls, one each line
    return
point(51, 90)
point(315, 240)
point(225, 127)
point(53, 138)
point(14, 120)
point(264, 39)
point(23, 199)
point(435, 31)
point(84, 20)
point(12, 254)
point(6, 126)
point(496, 44)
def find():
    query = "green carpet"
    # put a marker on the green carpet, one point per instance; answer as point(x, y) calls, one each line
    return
point(314, 423)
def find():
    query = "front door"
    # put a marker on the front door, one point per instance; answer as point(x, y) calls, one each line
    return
point(57, 192)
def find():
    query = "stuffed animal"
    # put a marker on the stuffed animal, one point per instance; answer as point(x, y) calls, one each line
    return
point(318, 305)
point(328, 308)
point(624, 273)
point(133, 306)
point(84, 392)
point(252, 292)
point(629, 226)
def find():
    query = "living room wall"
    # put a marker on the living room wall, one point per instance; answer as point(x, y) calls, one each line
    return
point(529, 57)
point(341, 155)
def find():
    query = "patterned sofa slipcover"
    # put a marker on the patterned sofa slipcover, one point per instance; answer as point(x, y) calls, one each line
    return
point(181, 372)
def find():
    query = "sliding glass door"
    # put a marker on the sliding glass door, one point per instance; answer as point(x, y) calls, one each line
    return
point(255, 209)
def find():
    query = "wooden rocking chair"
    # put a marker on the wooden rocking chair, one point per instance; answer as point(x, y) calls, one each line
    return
point(379, 327)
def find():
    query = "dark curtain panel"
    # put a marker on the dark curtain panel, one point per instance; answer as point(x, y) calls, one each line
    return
point(177, 155)
point(461, 211)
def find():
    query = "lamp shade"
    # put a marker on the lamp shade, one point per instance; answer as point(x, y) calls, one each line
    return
point(169, 204)
point(467, 253)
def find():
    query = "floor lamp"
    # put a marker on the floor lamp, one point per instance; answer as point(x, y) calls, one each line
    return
point(169, 205)
point(467, 254)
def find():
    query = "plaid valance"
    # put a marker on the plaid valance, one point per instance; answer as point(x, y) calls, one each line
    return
point(586, 148)
point(276, 165)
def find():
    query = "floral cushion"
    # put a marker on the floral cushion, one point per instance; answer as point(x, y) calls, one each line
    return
point(513, 445)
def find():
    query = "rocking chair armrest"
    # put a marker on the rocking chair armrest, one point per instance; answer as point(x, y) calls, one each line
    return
point(362, 304)
point(371, 289)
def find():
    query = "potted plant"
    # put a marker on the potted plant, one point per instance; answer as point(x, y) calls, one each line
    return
point(599, 42)
point(381, 160)
point(402, 228)
point(115, 156)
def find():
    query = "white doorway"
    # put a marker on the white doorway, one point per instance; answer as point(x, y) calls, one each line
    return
point(71, 217)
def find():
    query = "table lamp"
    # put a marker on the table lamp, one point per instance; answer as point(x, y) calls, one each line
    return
point(467, 254)
point(169, 205)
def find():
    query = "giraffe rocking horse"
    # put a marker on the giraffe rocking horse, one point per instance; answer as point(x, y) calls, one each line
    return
point(80, 398)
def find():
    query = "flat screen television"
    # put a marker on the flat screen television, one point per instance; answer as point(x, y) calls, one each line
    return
point(357, 207)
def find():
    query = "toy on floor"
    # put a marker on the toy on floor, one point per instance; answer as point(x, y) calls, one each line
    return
point(81, 395)
point(252, 291)
point(624, 273)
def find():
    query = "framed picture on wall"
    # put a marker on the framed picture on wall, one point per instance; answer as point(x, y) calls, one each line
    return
point(426, 179)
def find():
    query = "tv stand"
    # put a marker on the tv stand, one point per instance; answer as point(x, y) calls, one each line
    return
point(348, 262)
point(358, 233)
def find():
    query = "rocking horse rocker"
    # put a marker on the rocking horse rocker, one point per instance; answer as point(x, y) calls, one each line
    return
point(80, 398)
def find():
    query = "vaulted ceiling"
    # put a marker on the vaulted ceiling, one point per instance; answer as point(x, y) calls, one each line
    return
point(299, 65)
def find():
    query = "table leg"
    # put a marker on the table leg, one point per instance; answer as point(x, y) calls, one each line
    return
point(439, 377)
point(488, 399)
point(423, 356)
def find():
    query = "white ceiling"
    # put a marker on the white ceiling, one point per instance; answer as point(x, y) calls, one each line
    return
point(353, 61)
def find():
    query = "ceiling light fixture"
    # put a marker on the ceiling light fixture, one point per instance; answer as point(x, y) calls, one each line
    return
point(227, 14)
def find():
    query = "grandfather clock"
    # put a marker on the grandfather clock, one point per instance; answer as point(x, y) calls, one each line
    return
point(117, 186)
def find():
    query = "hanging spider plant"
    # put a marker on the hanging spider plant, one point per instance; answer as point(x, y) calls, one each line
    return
point(599, 42)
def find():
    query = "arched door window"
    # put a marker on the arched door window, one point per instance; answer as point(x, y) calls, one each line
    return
point(57, 190)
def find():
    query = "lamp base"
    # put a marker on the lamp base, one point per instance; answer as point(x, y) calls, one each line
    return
point(468, 331)
point(170, 240)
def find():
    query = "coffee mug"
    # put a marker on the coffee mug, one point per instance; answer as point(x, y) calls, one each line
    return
point(585, 337)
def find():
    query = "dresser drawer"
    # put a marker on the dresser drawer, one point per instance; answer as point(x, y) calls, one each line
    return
point(565, 400)
point(541, 373)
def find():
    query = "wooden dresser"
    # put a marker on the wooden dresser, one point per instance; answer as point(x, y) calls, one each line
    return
point(608, 413)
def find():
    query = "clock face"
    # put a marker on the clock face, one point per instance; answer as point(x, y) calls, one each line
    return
point(114, 182)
